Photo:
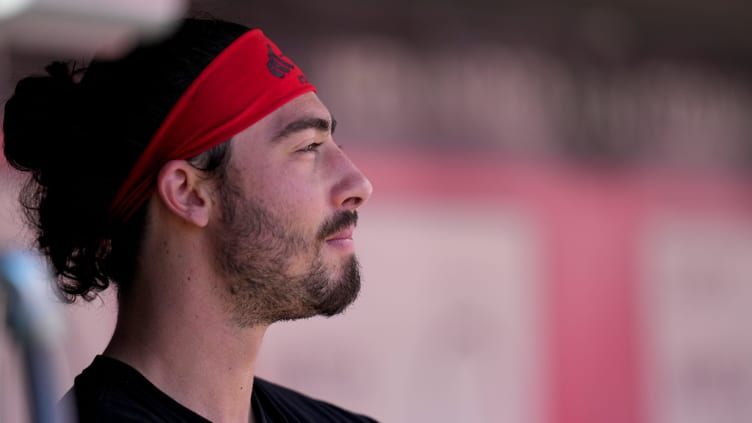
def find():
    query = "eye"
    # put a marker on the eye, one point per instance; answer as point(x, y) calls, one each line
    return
point(312, 147)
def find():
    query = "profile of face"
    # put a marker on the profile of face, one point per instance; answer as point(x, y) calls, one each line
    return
point(283, 235)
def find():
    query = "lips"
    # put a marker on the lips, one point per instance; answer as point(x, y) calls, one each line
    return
point(344, 234)
point(339, 226)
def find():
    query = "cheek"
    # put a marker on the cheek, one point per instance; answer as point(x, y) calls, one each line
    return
point(295, 186)
point(299, 203)
point(294, 190)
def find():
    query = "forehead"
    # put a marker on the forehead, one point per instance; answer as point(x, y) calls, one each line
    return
point(307, 105)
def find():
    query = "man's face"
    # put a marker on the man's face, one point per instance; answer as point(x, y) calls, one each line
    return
point(283, 237)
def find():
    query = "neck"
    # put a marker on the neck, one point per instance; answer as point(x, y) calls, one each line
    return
point(173, 328)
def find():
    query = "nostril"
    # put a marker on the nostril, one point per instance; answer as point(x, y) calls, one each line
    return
point(353, 202)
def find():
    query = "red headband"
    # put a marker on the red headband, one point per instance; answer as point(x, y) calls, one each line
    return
point(244, 83)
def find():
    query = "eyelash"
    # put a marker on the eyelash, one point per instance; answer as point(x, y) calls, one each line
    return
point(310, 148)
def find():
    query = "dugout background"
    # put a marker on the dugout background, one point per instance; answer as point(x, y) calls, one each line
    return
point(561, 227)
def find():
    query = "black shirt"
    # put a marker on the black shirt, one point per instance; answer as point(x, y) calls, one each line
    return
point(112, 391)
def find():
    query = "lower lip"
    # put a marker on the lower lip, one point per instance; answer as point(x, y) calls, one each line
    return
point(341, 243)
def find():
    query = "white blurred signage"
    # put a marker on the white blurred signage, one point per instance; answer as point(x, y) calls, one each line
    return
point(85, 26)
point(698, 305)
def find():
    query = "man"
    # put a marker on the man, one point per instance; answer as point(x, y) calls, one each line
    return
point(209, 241)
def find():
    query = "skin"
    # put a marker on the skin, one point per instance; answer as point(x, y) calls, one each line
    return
point(184, 299)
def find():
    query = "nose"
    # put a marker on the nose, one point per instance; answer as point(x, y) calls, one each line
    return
point(352, 188)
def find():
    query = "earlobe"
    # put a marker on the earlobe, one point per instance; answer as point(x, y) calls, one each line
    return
point(183, 192)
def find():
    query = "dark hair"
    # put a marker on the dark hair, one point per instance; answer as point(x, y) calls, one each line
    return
point(80, 139)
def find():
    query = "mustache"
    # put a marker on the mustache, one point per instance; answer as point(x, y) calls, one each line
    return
point(337, 223)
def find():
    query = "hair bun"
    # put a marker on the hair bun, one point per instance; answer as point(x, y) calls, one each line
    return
point(38, 119)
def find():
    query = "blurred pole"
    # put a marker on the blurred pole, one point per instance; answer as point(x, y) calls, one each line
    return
point(62, 29)
point(37, 326)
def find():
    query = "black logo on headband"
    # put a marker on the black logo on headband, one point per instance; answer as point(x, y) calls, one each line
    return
point(277, 66)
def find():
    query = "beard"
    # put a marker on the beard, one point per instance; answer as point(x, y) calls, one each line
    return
point(259, 253)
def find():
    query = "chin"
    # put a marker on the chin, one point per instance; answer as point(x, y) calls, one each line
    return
point(320, 293)
point(333, 296)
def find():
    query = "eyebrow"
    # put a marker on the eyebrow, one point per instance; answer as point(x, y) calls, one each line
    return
point(317, 123)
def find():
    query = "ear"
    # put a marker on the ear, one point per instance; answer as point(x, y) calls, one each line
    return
point(184, 192)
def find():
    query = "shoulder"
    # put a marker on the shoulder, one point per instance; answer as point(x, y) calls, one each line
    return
point(112, 391)
point(279, 403)
point(106, 405)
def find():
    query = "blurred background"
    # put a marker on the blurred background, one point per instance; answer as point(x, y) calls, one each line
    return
point(561, 228)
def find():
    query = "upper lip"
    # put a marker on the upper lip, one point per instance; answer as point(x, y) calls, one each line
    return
point(345, 233)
